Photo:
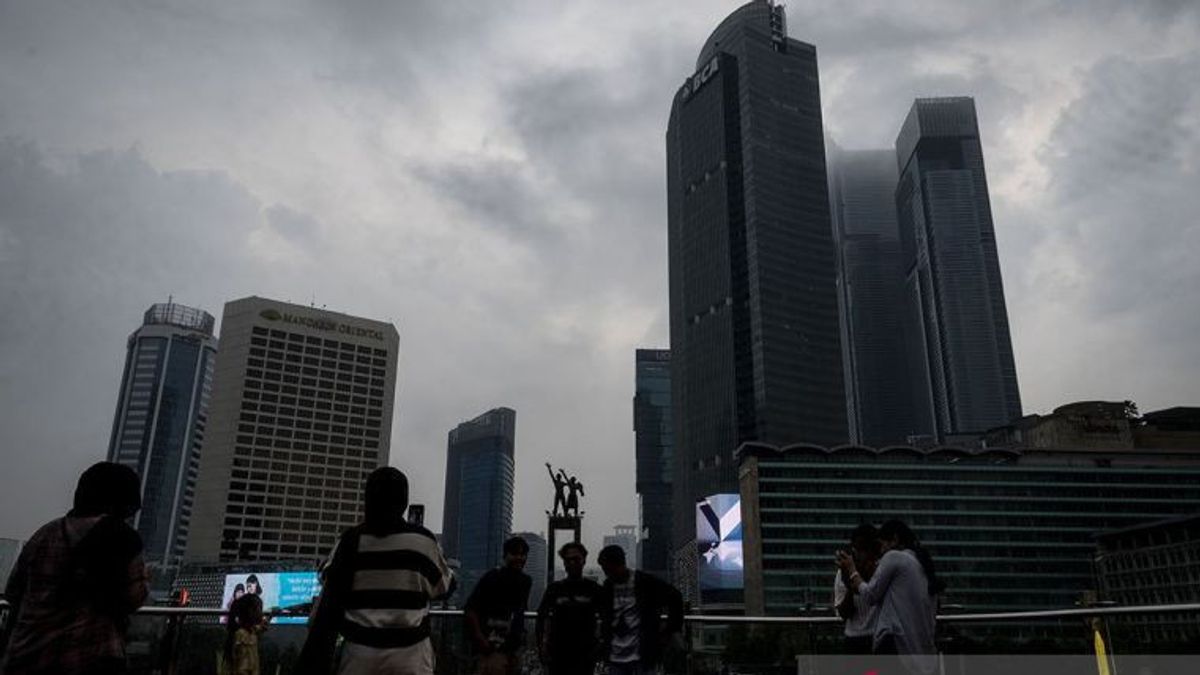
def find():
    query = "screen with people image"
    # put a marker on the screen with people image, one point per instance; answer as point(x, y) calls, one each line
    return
point(278, 591)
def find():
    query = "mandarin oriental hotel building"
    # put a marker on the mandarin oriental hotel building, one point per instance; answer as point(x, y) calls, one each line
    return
point(1009, 530)
point(301, 413)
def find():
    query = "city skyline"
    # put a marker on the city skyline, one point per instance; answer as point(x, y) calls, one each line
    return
point(497, 194)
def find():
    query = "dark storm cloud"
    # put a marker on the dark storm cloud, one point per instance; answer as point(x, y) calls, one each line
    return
point(1124, 168)
point(490, 177)
point(499, 194)
point(85, 249)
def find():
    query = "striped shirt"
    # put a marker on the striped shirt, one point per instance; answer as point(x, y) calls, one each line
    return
point(394, 578)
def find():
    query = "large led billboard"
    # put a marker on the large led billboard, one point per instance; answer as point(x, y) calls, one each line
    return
point(719, 542)
point(278, 590)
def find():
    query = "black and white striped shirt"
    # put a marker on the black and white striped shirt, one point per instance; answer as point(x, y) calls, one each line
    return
point(393, 579)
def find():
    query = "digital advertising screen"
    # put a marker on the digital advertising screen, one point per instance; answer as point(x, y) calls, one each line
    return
point(278, 590)
point(719, 542)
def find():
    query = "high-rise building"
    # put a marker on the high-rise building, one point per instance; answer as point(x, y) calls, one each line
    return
point(301, 413)
point(624, 536)
point(1101, 425)
point(960, 353)
point(755, 349)
point(653, 440)
point(162, 411)
point(535, 564)
point(862, 189)
point(477, 512)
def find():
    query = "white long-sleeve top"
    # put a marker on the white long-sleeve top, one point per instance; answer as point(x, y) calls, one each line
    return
point(907, 611)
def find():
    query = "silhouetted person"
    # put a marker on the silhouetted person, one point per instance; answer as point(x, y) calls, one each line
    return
point(378, 584)
point(859, 615)
point(495, 612)
point(77, 581)
point(244, 624)
point(905, 586)
point(571, 607)
point(635, 635)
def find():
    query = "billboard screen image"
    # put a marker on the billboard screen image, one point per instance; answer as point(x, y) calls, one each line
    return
point(719, 542)
point(278, 590)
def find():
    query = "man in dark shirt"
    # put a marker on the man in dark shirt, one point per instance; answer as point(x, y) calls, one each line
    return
point(495, 612)
point(635, 635)
point(571, 607)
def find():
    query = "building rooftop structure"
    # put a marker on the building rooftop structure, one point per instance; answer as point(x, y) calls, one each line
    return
point(1099, 425)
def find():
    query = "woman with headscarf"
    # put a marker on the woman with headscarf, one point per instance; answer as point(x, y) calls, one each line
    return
point(77, 581)
point(905, 586)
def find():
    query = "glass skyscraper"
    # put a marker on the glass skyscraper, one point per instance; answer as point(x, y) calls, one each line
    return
point(755, 346)
point(964, 379)
point(654, 443)
point(477, 512)
point(161, 415)
point(862, 188)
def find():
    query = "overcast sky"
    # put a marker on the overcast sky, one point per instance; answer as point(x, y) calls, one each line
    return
point(490, 178)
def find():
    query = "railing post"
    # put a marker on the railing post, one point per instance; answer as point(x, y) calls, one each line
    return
point(687, 647)
point(168, 656)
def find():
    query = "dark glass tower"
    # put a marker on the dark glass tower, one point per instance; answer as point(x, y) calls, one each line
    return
point(862, 188)
point(477, 513)
point(654, 440)
point(754, 319)
point(960, 353)
point(161, 415)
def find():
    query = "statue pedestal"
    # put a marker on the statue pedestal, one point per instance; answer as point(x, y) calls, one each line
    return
point(573, 524)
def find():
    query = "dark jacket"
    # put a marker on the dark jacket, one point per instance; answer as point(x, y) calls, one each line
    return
point(654, 597)
point(499, 602)
point(572, 607)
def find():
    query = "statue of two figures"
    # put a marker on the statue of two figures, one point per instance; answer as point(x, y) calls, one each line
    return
point(567, 491)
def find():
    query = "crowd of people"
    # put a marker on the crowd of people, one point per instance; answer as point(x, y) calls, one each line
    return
point(80, 578)
point(384, 574)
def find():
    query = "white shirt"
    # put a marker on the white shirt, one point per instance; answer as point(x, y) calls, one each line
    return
point(865, 614)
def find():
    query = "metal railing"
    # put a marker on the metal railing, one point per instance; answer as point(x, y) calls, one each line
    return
point(1073, 612)
point(180, 640)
